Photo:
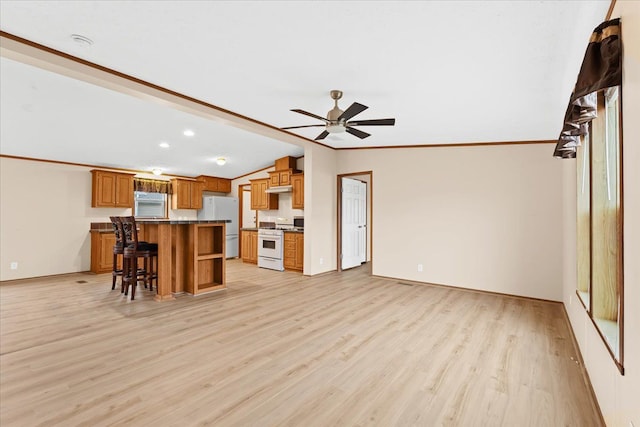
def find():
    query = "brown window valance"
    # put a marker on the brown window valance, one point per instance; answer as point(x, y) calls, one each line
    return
point(601, 68)
point(151, 185)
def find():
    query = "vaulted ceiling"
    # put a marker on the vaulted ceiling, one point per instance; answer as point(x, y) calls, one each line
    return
point(448, 71)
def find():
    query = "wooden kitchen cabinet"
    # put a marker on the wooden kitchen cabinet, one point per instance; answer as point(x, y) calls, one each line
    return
point(285, 163)
point(186, 194)
point(206, 243)
point(102, 252)
point(249, 246)
point(300, 251)
point(293, 251)
point(279, 178)
point(297, 199)
point(111, 189)
point(260, 199)
point(214, 184)
point(224, 185)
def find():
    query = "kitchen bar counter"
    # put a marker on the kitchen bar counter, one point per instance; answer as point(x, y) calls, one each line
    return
point(191, 254)
point(182, 221)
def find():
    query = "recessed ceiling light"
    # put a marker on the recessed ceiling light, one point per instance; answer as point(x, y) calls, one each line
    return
point(81, 40)
point(188, 132)
point(221, 161)
point(157, 171)
point(164, 145)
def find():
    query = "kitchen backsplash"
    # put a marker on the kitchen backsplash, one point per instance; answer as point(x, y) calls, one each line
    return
point(284, 214)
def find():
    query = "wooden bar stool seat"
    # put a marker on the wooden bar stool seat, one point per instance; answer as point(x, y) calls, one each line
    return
point(133, 250)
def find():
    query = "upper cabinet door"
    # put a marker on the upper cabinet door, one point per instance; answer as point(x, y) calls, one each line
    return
point(210, 183)
point(124, 191)
point(224, 185)
point(297, 200)
point(196, 194)
point(274, 179)
point(181, 197)
point(285, 177)
point(104, 189)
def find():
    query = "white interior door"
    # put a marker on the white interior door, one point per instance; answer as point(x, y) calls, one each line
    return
point(354, 223)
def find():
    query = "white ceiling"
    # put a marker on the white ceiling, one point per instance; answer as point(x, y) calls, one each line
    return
point(448, 71)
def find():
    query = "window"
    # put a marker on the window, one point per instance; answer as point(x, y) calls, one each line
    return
point(599, 223)
point(583, 220)
point(150, 205)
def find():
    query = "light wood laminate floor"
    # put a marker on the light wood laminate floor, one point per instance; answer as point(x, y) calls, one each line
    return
point(281, 349)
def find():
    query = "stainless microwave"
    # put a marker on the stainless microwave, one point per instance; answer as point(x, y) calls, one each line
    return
point(298, 221)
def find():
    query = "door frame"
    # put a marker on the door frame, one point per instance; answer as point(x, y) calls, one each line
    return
point(369, 215)
point(240, 215)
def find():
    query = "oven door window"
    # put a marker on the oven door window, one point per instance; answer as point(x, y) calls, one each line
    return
point(268, 244)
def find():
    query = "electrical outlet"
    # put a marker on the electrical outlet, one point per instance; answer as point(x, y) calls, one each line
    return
point(420, 268)
point(321, 261)
point(14, 265)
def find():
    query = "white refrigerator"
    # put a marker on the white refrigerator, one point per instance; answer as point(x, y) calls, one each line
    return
point(217, 207)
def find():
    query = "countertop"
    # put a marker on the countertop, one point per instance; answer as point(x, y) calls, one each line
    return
point(108, 228)
point(294, 231)
point(182, 221)
point(286, 231)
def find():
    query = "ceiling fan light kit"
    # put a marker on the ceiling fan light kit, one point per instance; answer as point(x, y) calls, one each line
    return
point(337, 120)
point(337, 128)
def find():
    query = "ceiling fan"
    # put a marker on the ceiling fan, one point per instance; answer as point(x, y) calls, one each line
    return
point(338, 121)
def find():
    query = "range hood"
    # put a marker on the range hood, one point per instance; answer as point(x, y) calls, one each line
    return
point(280, 189)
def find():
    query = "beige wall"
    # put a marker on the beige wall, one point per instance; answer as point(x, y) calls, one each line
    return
point(485, 218)
point(618, 395)
point(45, 216)
point(320, 206)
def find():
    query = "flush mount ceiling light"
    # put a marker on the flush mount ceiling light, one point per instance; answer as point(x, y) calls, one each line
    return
point(156, 171)
point(164, 145)
point(81, 40)
point(221, 161)
point(188, 132)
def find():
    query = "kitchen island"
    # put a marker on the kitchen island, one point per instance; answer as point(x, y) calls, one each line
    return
point(191, 255)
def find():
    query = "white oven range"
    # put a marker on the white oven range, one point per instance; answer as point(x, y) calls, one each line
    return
point(270, 249)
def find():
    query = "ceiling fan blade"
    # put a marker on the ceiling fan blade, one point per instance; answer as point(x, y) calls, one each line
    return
point(306, 113)
point(354, 109)
point(305, 126)
point(323, 135)
point(376, 122)
point(357, 132)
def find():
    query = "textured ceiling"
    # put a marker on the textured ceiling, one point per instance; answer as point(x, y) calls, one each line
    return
point(448, 71)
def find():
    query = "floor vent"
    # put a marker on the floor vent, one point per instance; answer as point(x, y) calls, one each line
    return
point(81, 281)
point(405, 284)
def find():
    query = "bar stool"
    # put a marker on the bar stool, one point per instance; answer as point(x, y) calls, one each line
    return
point(118, 249)
point(134, 249)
